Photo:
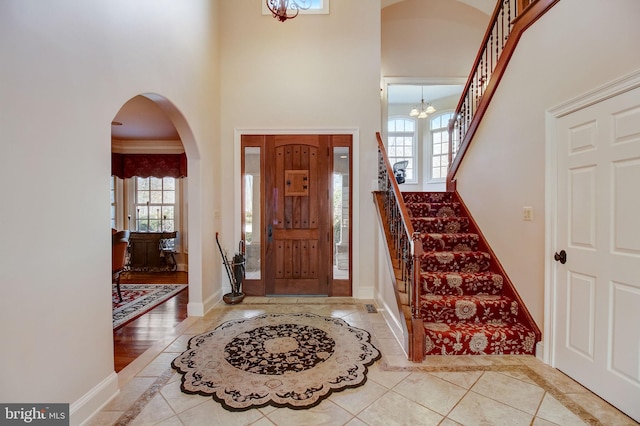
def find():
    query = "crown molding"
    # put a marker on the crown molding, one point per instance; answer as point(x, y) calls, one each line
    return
point(146, 146)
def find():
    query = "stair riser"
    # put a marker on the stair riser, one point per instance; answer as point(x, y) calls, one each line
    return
point(474, 310)
point(446, 283)
point(472, 339)
point(455, 262)
point(450, 242)
point(433, 209)
point(427, 197)
point(437, 225)
point(462, 302)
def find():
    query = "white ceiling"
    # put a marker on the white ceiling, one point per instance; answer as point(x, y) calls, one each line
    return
point(412, 94)
point(485, 6)
point(142, 119)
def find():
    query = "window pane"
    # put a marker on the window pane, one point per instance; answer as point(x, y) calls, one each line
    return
point(251, 223)
point(391, 127)
point(156, 197)
point(142, 183)
point(409, 174)
point(169, 197)
point(169, 183)
point(143, 197)
point(341, 196)
point(168, 212)
point(155, 183)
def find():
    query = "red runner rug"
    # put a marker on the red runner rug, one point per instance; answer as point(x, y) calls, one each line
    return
point(138, 299)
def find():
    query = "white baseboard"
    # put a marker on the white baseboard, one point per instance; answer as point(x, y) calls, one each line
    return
point(199, 309)
point(94, 400)
point(195, 309)
point(212, 301)
point(540, 351)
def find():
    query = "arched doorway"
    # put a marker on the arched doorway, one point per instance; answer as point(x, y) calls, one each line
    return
point(152, 151)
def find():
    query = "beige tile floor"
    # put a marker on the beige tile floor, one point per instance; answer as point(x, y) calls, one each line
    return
point(478, 390)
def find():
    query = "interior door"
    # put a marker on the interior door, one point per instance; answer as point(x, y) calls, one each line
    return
point(597, 292)
point(297, 215)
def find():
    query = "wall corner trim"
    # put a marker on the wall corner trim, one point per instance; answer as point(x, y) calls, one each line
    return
point(94, 400)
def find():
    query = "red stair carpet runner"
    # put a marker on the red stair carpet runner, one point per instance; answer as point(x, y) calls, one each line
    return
point(462, 303)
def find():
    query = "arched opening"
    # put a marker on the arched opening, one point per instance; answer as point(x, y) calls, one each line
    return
point(153, 155)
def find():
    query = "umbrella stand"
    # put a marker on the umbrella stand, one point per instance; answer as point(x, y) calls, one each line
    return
point(235, 272)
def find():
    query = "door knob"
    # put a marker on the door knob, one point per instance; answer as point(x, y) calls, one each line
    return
point(561, 257)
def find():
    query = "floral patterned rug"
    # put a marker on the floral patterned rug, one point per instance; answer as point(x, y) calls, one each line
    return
point(138, 299)
point(283, 360)
point(464, 301)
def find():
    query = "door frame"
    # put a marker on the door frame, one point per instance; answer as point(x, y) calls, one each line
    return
point(355, 196)
point(609, 90)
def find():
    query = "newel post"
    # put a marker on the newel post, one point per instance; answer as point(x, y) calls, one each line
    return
point(417, 346)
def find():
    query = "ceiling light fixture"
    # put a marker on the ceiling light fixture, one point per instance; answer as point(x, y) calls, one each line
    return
point(425, 108)
point(287, 9)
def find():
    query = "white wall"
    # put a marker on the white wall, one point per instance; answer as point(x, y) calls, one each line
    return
point(426, 40)
point(312, 73)
point(67, 68)
point(577, 46)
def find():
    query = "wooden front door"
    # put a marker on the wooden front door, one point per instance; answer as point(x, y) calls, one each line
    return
point(297, 215)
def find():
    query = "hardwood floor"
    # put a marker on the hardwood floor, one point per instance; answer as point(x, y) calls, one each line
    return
point(131, 340)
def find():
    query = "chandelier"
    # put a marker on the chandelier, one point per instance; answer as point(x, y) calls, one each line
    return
point(287, 9)
point(425, 108)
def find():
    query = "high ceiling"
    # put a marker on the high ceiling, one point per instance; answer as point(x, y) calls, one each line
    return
point(485, 6)
point(142, 119)
point(412, 94)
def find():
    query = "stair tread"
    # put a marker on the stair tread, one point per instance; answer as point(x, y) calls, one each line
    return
point(472, 297)
point(443, 225)
point(449, 234)
point(463, 261)
point(427, 196)
point(444, 253)
point(431, 209)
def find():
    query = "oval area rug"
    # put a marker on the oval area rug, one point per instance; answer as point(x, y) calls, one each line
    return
point(284, 360)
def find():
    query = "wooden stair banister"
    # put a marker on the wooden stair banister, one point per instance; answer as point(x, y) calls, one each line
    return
point(406, 248)
point(509, 21)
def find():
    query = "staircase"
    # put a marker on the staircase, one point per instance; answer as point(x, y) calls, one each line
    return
point(465, 301)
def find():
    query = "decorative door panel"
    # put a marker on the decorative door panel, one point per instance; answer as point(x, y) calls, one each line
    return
point(298, 215)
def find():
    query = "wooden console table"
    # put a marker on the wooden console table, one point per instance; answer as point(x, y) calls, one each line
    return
point(150, 251)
